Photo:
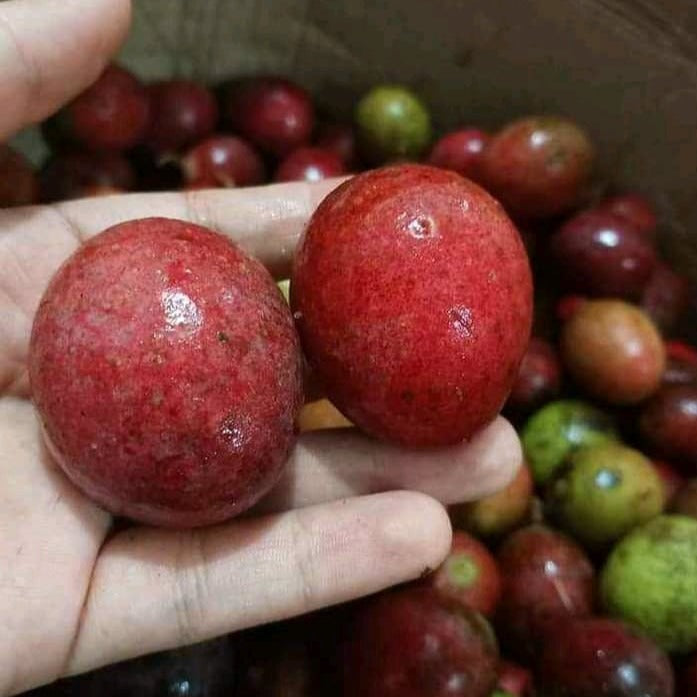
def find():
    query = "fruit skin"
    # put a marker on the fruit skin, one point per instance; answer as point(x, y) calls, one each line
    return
point(666, 297)
point(514, 680)
point(603, 492)
point(19, 185)
point(310, 165)
point(69, 175)
point(460, 151)
point(672, 481)
point(567, 305)
point(681, 364)
point(468, 576)
point(538, 166)
point(599, 254)
point(649, 581)
point(340, 139)
point(112, 114)
point(183, 113)
point(668, 424)
point(547, 579)
point(167, 389)
point(225, 161)
point(635, 209)
point(613, 351)
point(275, 114)
point(409, 346)
point(589, 657)
point(392, 123)
point(498, 514)
point(685, 501)
point(538, 381)
point(409, 643)
point(551, 434)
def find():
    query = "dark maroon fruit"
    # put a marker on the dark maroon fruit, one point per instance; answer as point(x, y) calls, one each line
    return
point(183, 113)
point(310, 165)
point(274, 114)
point(547, 578)
point(408, 643)
point(514, 680)
point(538, 380)
point(672, 481)
point(590, 657)
point(19, 185)
point(155, 173)
point(223, 161)
point(666, 297)
point(339, 138)
point(688, 678)
point(685, 500)
point(112, 114)
point(602, 255)
point(71, 175)
point(635, 209)
point(461, 151)
point(668, 424)
point(567, 305)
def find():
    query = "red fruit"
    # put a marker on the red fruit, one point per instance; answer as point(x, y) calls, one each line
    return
point(340, 139)
point(567, 306)
point(19, 185)
point(514, 679)
point(538, 167)
point(688, 678)
point(681, 351)
point(602, 255)
point(112, 114)
point(594, 656)
point(469, 575)
point(666, 297)
point(183, 113)
point(167, 388)
point(274, 114)
point(671, 480)
point(222, 161)
point(412, 293)
point(310, 165)
point(460, 151)
point(546, 578)
point(409, 643)
point(681, 364)
point(635, 209)
point(538, 378)
point(71, 175)
point(668, 424)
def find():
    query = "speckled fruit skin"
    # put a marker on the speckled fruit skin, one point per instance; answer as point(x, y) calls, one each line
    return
point(613, 351)
point(413, 297)
point(666, 297)
point(112, 114)
point(547, 578)
point(19, 184)
point(649, 581)
point(469, 575)
point(552, 433)
point(590, 657)
point(635, 209)
point(600, 254)
point(275, 114)
point(183, 113)
point(167, 388)
point(668, 424)
point(409, 643)
point(603, 492)
point(310, 165)
point(539, 166)
point(223, 161)
point(461, 151)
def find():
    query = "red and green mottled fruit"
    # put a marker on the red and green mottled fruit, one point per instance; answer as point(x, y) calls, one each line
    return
point(589, 657)
point(167, 389)
point(469, 575)
point(413, 297)
point(411, 643)
point(539, 166)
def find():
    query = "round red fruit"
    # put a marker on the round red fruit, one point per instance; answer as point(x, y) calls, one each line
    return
point(222, 161)
point(460, 151)
point(310, 165)
point(635, 209)
point(340, 139)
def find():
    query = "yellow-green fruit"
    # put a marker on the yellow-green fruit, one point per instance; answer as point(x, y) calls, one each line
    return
point(603, 492)
point(650, 581)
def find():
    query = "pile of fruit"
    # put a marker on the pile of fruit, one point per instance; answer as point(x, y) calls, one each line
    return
point(412, 298)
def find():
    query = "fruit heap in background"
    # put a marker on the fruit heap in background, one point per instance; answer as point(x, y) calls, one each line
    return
point(577, 580)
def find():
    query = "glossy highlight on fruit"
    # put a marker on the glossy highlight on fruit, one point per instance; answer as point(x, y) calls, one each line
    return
point(460, 151)
point(223, 161)
point(310, 165)
point(167, 389)
point(635, 209)
point(412, 294)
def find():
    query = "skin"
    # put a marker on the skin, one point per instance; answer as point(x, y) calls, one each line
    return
point(143, 590)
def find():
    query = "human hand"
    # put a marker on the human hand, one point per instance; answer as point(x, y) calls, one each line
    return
point(74, 594)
